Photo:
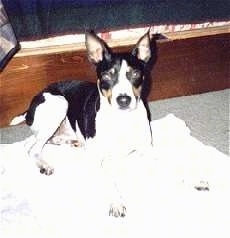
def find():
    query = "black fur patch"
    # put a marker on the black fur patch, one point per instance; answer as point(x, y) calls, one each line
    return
point(83, 104)
point(38, 99)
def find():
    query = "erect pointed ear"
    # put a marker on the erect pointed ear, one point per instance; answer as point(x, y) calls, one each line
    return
point(96, 48)
point(142, 50)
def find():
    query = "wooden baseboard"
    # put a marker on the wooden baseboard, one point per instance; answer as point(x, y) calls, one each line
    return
point(184, 66)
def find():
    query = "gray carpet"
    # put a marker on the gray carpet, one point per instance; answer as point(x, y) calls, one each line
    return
point(207, 116)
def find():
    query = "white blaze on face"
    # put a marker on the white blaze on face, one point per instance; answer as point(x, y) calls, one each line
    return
point(123, 87)
point(123, 71)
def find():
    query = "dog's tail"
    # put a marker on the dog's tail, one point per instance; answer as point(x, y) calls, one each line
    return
point(18, 119)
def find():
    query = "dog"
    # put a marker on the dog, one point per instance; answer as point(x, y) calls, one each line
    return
point(108, 115)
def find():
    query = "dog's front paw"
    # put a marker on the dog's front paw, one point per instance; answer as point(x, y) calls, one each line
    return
point(117, 211)
point(45, 168)
point(202, 186)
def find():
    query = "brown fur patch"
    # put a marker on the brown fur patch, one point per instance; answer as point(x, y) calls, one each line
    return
point(105, 93)
point(137, 91)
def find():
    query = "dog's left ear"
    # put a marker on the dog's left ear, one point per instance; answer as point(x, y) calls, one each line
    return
point(142, 50)
point(97, 49)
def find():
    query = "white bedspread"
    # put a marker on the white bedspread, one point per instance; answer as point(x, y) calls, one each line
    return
point(157, 187)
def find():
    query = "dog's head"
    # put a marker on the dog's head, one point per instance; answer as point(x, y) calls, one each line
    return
point(120, 75)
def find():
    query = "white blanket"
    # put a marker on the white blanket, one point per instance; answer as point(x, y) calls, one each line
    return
point(158, 187)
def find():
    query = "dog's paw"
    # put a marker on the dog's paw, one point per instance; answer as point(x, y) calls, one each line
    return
point(47, 171)
point(117, 211)
point(202, 186)
point(45, 168)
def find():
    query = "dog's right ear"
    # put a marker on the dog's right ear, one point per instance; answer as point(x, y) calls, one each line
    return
point(96, 48)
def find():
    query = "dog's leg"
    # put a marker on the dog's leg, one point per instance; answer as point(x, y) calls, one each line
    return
point(112, 167)
point(117, 207)
point(66, 135)
point(36, 153)
point(47, 119)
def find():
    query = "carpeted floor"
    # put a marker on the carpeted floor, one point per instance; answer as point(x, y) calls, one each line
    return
point(207, 116)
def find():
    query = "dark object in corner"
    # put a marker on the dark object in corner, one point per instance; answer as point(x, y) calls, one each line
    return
point(8, 42)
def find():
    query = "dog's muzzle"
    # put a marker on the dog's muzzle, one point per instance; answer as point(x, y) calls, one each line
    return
point(123, 101)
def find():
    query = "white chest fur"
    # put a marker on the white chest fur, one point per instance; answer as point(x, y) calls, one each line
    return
point(121, 131)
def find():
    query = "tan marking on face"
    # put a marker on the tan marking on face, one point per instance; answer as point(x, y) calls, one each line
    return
point(107, 94)
point(137, 91)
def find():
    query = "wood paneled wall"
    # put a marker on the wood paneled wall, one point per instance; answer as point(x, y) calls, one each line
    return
point(183, 67)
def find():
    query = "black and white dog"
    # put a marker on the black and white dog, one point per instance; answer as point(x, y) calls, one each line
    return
point(108, 116)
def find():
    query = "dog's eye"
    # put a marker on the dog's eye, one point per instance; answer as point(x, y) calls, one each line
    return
point(135, 78)
point(135, 74)
point(106, 76)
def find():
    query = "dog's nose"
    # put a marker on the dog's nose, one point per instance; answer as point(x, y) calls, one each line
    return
point(123, 101)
